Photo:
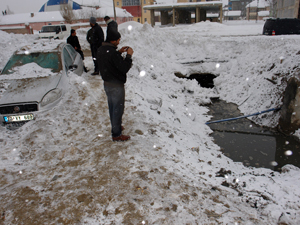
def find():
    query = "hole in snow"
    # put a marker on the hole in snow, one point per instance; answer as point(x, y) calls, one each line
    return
point(205, 80)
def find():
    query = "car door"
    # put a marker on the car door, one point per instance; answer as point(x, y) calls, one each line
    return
point(72, 55)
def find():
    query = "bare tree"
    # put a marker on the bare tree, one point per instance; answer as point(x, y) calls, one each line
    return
point(9, 12)
point(273, 8)
point(66, 12)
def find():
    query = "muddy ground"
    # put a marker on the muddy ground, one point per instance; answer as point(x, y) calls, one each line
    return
point(93, 180)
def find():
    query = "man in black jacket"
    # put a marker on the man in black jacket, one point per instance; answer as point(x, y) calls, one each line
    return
point(113, 69)
point(111, 24)
point(73, 40)
point(96, 42)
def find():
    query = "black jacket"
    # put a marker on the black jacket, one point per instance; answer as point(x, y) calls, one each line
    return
point(73, 40)
point(89, 36)
point(97, 36)
point(113, 67)
point(112, 25)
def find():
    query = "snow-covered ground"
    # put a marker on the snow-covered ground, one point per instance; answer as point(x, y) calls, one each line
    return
point(63, 167)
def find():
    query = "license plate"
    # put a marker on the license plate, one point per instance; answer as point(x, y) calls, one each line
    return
point(18, 118)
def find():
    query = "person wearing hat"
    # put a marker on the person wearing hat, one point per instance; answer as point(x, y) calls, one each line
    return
point(113, 69)
point(73, 40)
point(96, 41)
point(111, 24)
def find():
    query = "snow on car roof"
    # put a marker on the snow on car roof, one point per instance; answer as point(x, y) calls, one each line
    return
point(41, 46)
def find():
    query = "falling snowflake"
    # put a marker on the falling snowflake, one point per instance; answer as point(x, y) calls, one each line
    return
point(142, 73)
point(288, 152)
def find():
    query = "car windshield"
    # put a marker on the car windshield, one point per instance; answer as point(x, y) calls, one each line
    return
point(47, 60)
point(47, 29)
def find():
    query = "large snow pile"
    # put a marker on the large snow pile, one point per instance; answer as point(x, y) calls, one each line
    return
point(171, 171)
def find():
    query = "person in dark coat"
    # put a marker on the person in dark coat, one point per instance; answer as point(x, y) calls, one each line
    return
point(111, 24)
point(96, 41)
point(73, 40)
point(113, 69)
point(89, 36)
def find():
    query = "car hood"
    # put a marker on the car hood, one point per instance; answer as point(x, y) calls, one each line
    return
point(28, 89)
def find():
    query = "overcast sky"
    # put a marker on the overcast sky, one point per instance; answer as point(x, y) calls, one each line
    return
point(22, 6)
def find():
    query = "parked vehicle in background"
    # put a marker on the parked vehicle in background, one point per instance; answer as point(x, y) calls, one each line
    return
point(281, 26)
point(59, 31)
point(35, 80)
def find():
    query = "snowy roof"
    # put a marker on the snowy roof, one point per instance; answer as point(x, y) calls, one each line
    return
point(109, 11)
point(233, 13)
point(208, 5)
point(26, 18)
point(261, 4)
point(93, 3)
point(56, 16)
point(264, 13)
point(212, 15)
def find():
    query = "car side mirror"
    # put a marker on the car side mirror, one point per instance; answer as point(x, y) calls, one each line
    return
point(73, 67)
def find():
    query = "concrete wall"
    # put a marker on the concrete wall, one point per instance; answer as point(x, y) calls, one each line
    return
point(289, 120)
point(287, 9)
point(18, 30)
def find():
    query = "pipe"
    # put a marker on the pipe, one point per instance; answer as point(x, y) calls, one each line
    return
point(240, 117)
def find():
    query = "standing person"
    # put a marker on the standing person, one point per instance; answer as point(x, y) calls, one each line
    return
point(113, 69)
point(89, 36)
point(96, 42)
point(111, 24)
point(73, 40)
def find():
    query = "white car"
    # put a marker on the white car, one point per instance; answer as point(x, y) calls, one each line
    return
point(34, 80)
point(58, 31)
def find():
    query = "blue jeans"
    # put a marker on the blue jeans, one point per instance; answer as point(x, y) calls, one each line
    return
point(116, 102)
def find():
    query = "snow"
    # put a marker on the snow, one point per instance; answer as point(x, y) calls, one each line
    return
point(233, 13)
point(171, 171)
point(27, 18)
point(29, 70)
point(264, 13)
point(259, 3)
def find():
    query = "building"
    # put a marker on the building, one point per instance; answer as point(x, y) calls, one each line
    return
point(232, 15)
point(238, 5)
point(28, 22)
point(135, 8)
point(178, 13)
point(288, 9)
point(258, 10)
point(55, 5)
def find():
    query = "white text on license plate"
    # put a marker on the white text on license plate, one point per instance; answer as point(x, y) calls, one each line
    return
point(18, 118)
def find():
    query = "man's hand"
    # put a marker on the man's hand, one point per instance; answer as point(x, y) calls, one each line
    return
point(123, 49)
point(126, 49)
point(129, 51)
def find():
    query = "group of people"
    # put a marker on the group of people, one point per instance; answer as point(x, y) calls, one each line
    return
point(111, 65)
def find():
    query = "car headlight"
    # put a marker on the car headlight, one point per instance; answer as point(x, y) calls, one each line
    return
point(51, 97)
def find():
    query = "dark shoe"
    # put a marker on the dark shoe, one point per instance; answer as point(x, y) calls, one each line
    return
point(121, 138)
point(95, 73)
point(85, 69)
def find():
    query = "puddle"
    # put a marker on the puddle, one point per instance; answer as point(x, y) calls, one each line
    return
point(255, 146)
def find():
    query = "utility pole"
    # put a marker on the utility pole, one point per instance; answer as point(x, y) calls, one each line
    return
point(114, 10)
point(257, 11)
